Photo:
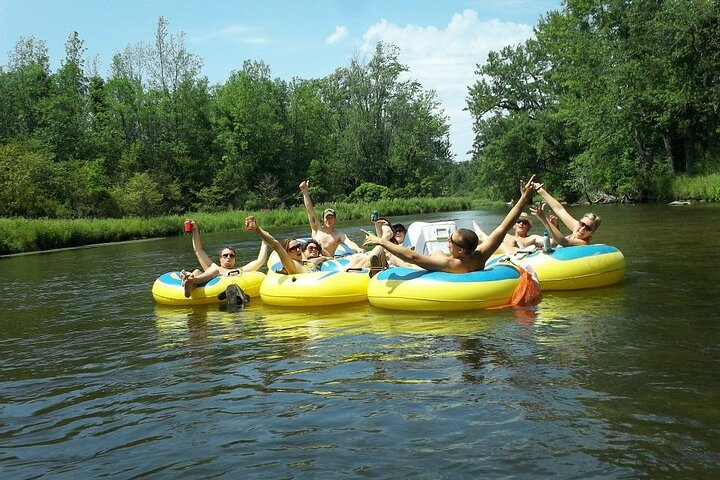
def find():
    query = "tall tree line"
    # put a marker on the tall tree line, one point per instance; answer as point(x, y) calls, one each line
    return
point(611, 98)
point(153, 137)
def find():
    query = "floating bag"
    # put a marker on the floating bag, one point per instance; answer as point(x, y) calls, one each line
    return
point(527, 292)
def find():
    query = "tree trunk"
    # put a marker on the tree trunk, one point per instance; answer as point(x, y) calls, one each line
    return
point(690, 152)
point(667, 140)
point(712, 137)
point(639, 146)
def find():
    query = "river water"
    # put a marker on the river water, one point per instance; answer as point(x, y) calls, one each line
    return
point(96, 381)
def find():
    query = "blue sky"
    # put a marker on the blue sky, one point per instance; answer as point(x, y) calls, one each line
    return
point(440, 41)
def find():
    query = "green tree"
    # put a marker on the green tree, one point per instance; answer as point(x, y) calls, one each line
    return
point(23, 87)
point(64, 124)
point(388, 131)
point(249, 118)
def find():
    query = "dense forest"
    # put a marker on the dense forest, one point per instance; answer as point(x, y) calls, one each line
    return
point(609, 100)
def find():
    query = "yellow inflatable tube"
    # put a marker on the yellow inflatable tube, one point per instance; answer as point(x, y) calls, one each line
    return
point(168, 289)
point(413, 289)
point(575, 267)
point(315, 289)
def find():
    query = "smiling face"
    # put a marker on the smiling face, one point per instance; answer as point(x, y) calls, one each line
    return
point(294, 250)
point(311, 250)
point(586, 227)
point(227, 258)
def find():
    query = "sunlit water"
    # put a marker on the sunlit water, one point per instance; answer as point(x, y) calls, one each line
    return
point(96, 381)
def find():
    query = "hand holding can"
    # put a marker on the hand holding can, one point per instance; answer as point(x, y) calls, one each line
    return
point(188, 226)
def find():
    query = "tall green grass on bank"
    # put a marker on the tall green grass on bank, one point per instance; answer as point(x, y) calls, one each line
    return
point(705, 187)
point(18, 235)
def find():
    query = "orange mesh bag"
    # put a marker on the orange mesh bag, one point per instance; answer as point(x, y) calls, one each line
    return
point(527, 292)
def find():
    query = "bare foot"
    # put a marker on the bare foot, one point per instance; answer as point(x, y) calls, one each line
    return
point(187, 283)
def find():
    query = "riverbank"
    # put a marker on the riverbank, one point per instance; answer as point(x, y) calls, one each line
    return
point(698, 188)
point(20, 235)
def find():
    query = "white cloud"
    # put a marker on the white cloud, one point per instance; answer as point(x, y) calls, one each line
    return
point(340, 33)
point(445, 60)
point(240, 34)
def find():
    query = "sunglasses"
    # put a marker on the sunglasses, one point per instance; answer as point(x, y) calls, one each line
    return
point(312, 247)
point(450, 240)
point(584, 225)
point(523, 222)
point(228, 255)
point(294, 248)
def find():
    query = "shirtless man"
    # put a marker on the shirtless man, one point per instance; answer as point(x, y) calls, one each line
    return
point(520, 240)
point(211, 269)
point(325, 233)
point(465, 253)
point(582, 230)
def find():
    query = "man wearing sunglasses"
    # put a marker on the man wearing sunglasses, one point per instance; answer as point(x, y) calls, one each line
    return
point(465, 253)
point(582, 230)
point(325, 232)
point(225, 265)
point(521, 238)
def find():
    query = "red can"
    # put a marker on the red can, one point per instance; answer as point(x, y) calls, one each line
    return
point(188, 226)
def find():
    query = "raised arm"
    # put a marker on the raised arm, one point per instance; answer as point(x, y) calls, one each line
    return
point(554, 231)
point(496, 237)
point(288, 263)
point(312, 219)
point(259, 261)
point(504, 247)
point(569, 221)
point(202, 257)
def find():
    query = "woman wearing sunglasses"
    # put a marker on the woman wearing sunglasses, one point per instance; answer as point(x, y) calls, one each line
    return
point(225, 265)
point(582, 230)
point(311, 249)
point(290, 251)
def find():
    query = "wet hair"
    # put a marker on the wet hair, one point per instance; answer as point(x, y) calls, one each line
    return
point(399, 227)
point(468, 239)
point(226, 248)
point(594, 218)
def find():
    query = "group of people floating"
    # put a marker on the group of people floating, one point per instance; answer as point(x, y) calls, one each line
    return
point(468, 249)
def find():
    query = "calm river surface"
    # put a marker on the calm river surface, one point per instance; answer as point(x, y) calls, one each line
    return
point(96, 381)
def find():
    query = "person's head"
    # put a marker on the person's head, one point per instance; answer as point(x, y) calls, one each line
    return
point(462, 242)
point(400, 232)
point(312, 249)
point(587, 225)
point(329, 217)
point(523, 224)
point(293, 248)
point(227, 257)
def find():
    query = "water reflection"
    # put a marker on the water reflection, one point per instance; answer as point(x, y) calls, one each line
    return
point(614, 382)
